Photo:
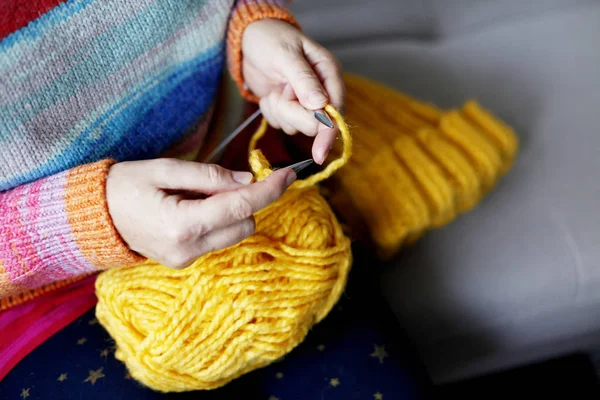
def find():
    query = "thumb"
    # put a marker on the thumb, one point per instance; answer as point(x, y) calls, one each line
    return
point(173, 174)
point(305, 82)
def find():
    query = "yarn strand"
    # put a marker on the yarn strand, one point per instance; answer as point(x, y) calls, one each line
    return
point(261, 169)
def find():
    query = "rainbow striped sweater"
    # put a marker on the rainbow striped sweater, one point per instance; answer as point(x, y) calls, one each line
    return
point(85, 84)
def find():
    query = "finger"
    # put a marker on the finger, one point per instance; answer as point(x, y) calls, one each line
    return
point(323, 143)
point(214, 240)
point(329, 71)
point(303, 79)
point(288, 129)
point(295, 115)
point(309, 125)
point(275, 100)
point(298, 117)
point(266, 106)
point(227, 208)
point(173, 174)
point(271, 108)
point(227, 236)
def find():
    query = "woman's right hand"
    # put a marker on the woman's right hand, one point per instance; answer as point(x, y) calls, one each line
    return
point(174, 211)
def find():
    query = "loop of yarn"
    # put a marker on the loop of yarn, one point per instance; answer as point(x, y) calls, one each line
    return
point(260, 166)
point(236, 309)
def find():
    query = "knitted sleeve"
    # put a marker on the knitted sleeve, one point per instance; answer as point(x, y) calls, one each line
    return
point(243, 14)
point(56, 230)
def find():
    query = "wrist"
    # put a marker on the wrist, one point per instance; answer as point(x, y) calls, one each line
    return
point(269, 25)
point(245, 14)
point(100, 242)
point(114, 196)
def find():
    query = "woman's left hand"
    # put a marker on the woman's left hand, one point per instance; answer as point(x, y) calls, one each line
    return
point(293, 76)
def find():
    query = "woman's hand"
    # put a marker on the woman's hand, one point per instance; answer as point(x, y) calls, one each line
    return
point(174, 211)
point(293, 76)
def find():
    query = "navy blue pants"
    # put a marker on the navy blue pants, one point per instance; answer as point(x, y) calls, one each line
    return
point(357, 352)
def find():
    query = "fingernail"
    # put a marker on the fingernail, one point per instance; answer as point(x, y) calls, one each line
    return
point(242, 177)
point(290, 178)
point(317, 98)
point(319, 158)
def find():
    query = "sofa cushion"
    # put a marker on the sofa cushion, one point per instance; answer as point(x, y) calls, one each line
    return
point(518, 278)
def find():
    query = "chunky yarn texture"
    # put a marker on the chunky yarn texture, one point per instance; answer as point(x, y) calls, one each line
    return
point(237, 309)
point(414, 167)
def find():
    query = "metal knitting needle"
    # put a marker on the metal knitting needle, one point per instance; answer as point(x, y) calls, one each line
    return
point(320, 115)
point(299, 166)
point(323, 118)
point(232, 136)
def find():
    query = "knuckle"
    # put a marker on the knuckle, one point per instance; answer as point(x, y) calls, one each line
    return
point(177, 236)
point(163, 168)
point(264, 105)
point(329, 58)
point(248, 227)
point(214, 173)
point(290, 47)
point(290, 130)
point(276, 194)
point(280, 108)
point(167, 164)
point(275, 190)
point(172, 234)
point(268, 113)
point(178, 260)
point(207, 247)
point(201, 229)
point(242, 208)
point(306, 76)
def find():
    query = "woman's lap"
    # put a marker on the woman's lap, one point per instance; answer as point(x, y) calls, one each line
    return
point(357, 352)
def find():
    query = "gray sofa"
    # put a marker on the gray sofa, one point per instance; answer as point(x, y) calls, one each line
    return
point(517, 280)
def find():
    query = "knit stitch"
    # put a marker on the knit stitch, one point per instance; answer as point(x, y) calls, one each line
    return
point(86, 83)
point(15, 14)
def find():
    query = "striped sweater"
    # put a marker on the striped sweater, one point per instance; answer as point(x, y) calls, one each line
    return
point(85, 84)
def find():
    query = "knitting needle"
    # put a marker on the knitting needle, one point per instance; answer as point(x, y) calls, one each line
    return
point(232, 136)
point(323, 118)
point(299, 166)
point(320, 115)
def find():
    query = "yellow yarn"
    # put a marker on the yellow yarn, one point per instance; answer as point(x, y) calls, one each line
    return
point(237, 309)
point(414, 166)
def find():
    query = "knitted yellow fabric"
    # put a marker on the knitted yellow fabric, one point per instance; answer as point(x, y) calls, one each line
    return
point(237, 309)
point(414, 166)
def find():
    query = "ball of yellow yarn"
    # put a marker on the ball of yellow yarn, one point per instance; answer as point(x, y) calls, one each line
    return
point(237, 309)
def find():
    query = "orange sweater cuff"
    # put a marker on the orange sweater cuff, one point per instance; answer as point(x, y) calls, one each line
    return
point(90, 221)
point(243, 15)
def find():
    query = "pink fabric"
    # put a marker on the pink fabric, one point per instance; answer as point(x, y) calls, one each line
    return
point(26, 326)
